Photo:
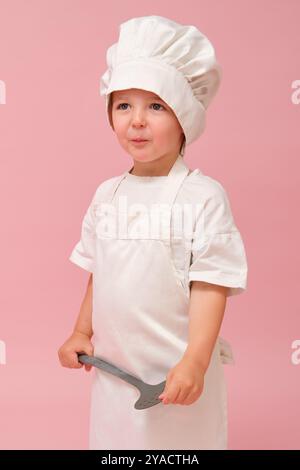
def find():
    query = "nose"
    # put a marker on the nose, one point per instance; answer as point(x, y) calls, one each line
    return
point(138, 118)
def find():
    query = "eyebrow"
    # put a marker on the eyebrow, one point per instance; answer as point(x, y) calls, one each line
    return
point(125, 97)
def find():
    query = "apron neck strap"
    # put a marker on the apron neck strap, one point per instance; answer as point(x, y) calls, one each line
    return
point(175, 178)
point(167, 196)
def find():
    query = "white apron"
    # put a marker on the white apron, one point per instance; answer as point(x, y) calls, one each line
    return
point(140, 324)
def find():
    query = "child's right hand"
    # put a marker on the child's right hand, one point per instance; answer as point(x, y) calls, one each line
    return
point(77, 343)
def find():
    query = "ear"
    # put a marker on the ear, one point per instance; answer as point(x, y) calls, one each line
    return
point(109, 110)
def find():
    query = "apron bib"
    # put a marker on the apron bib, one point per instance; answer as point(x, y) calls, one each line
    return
point(140, 324)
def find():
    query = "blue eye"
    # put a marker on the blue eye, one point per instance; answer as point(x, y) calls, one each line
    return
point(122, 104)
point(157, 104)
point(126, 104)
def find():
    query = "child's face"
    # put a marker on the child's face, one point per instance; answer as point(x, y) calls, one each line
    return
point(141, 114)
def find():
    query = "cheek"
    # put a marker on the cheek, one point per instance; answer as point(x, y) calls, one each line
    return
point(120, 125)
point(164, 130)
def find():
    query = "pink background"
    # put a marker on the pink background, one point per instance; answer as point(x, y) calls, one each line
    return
point(56, 147)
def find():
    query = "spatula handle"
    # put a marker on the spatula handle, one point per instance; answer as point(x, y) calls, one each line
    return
point(106, 366)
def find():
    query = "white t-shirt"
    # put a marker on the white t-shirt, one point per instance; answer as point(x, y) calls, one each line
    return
point(216, 253)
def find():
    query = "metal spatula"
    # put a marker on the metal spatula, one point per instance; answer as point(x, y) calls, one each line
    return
point(149, 393)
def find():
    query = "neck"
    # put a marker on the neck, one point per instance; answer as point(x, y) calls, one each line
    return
point(159, 167)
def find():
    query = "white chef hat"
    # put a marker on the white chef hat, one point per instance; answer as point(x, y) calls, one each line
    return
point(176, 62)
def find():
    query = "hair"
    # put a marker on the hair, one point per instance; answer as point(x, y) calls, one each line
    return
point(182, 147)
point(109, 110)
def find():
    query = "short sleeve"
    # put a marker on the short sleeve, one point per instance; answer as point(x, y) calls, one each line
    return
point(83, 254)
point(218, 253)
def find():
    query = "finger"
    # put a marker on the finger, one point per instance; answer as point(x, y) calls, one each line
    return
point(192, 398)
point(166, 389)
point(171, 394)
point(186, 390)
point(163, 395)
point(182, 395)
point(74, 362)
point(89, 351)
point(176, 394)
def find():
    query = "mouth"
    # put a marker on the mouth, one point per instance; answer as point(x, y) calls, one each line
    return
point(139, 141)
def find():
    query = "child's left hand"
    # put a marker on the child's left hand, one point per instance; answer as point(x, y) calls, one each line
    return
point(184, 383)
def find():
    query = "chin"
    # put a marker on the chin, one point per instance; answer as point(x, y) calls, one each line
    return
point(142, 159)
point(139, 155)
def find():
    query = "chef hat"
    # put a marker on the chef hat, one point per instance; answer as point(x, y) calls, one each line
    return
point(176, 62)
